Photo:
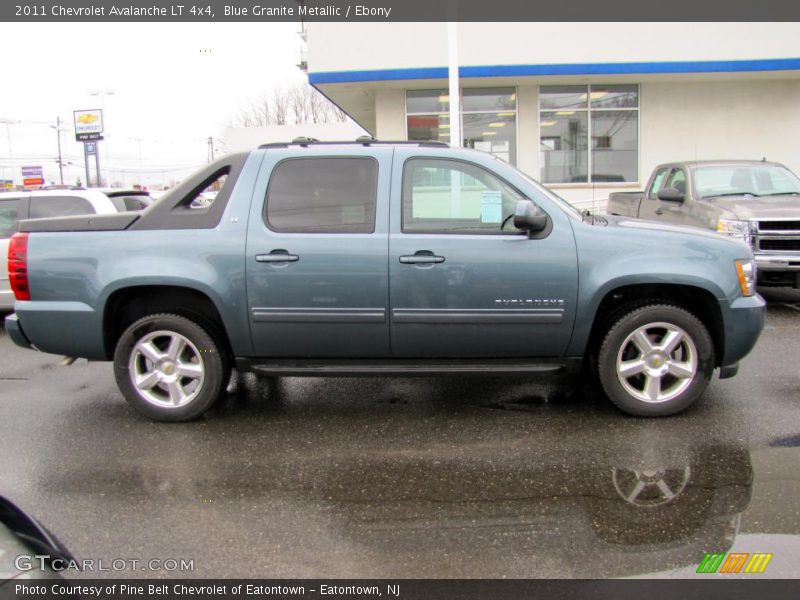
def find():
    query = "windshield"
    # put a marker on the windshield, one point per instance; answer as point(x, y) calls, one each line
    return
point(568, 208)
point(745, 180)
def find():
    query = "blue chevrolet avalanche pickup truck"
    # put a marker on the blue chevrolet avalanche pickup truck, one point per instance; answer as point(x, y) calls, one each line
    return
point(371, 258)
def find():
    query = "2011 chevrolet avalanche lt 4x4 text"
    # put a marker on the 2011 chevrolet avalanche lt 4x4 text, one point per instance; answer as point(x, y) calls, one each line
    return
point(373, 258)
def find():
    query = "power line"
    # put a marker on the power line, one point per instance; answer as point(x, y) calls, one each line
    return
point(18, 160)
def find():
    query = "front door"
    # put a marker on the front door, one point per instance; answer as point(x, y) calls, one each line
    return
point(463, 281)
point(317, 255)
point(672, 212)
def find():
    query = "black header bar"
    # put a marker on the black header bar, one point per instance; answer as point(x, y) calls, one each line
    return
point(398, 10)
point(703, 587)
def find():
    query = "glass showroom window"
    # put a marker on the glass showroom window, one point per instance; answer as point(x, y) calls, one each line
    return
point(489, 119)
point(572, 115)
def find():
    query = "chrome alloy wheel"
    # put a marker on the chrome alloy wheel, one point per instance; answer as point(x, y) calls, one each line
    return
point(650, 487)
point(657, 362)
point(166, 369)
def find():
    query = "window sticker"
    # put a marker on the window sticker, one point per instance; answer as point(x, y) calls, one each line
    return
point(491, 206)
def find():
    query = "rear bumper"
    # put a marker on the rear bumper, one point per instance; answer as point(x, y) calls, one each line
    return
point(6, 297)
point(14, 330)
point(744, 321)
point(68, 328)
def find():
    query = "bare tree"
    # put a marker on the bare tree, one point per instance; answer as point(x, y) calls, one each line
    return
point(279, 105)
point(295, 105)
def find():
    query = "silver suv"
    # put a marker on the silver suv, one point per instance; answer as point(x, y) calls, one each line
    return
point(15, 206)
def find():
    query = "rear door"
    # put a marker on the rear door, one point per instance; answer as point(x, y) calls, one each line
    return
point(463, 281)
point(317, 251)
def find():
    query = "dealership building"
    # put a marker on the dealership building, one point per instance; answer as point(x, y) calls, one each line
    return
point(586, 108)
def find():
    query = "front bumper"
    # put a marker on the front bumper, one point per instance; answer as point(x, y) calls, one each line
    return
point(14, 330)
point(778, 262)
point(744, 320)
point(778, 269)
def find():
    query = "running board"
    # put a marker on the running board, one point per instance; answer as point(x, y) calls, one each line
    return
point(426, 368)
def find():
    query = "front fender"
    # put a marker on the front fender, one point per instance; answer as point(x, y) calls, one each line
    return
point(612, 257)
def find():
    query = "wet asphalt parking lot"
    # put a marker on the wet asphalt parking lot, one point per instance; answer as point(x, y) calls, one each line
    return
point(418, 477)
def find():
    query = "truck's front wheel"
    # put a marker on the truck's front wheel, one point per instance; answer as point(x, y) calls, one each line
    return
point(656, 360)
point(169, 367)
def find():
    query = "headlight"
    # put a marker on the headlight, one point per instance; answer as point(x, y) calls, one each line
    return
point(741, 230)
point(746, 271)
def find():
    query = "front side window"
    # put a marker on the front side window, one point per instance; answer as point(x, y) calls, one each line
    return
point(488, 119)
point(446, 196)
point(59, 206)
point(589, 133)
point(323, 195)
point(677, 180)
point(656, 185)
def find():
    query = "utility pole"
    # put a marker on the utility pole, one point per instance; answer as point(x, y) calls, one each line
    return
point(60, 163)
point(210, 149)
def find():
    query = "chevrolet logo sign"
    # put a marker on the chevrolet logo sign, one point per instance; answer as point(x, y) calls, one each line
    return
point(88, 119)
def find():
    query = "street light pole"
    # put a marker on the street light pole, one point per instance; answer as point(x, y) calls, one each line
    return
point(60, 163)
point(8, 123)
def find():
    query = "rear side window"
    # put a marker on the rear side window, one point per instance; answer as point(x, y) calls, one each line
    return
point(323, 195)
point(8, 217)
point(59, 206)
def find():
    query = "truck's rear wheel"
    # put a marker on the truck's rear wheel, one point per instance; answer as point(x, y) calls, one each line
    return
point(656, 360)
point(170, 368)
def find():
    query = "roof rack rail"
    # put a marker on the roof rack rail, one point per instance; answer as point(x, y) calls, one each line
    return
point(303, 140)
point(59, 186)
point(364, 140)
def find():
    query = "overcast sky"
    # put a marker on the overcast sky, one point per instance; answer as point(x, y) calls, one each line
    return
point(174, 84)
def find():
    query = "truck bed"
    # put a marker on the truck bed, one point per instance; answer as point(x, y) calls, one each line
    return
point(625, 204)
point(115, 222)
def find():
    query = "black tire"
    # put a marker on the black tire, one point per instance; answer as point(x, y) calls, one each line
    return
point(695, 348)
point(173, 396)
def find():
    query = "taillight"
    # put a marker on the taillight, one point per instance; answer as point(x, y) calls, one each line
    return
point(18, 266)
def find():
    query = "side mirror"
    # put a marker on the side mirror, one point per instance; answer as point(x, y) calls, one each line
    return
point(671, 194)
point(530, 217)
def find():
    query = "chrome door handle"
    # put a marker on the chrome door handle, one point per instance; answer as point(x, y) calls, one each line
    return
point(277, 256)
point(421, 259)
